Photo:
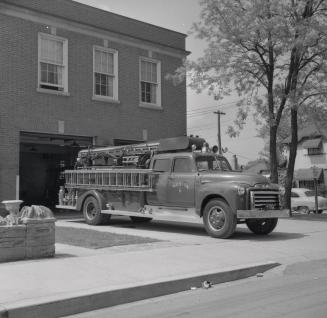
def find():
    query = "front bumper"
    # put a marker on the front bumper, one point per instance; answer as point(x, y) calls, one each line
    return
point(262, 214)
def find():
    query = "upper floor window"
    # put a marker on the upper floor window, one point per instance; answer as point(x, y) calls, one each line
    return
point(150, 87)
point(53, 64)
point(105, 69)
point(314, 146)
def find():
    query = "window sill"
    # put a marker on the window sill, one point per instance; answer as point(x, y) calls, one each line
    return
point(150, 106)
point(52, 92)
point(105, 99)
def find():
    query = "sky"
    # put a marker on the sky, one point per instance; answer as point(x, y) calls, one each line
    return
point(179, 15)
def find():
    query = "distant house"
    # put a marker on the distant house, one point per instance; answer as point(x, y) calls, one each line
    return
point(311, 158)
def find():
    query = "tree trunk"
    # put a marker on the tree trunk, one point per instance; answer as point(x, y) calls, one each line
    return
point(291, 161)
point(273, 154)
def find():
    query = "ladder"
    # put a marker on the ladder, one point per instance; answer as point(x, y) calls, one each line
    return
point(116, 151)
point(110, 179)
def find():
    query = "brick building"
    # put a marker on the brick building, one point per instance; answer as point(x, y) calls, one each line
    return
point(73, 75)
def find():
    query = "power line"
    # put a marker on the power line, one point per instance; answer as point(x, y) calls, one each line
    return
point(201, 126)
point(209, 109)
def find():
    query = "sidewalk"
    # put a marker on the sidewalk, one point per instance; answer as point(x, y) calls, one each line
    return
point(79, 279)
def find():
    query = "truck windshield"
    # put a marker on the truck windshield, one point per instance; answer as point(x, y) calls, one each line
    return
point(207, 163)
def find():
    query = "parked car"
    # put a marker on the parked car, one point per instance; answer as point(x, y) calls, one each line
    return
point(303, 200)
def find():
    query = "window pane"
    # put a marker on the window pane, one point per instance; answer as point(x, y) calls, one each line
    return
point(59, 75)
point(153, 93)
point(103, 80)
point(104, 85)
point(44, 72)
point(52, 51)
point(110, 86)
point(97, 61)
point(51, 74)
point(148, 72)
point(183, 165)
point(104, 62)
point(97, 78)
point(162, 165)
point(142, 91)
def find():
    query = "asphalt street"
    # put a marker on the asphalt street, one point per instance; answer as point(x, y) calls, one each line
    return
point(298, 290)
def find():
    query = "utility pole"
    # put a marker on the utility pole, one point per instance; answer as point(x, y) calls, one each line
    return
point(218, 112)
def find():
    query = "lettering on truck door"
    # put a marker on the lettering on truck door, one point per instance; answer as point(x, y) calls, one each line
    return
point(181, 183)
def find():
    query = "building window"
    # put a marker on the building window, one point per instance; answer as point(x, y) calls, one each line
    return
point(53, 63)
point(150, 87)
point(314, 151)
point(105, 73)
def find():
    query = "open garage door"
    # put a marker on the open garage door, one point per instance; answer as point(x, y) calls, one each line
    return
point(42, 158)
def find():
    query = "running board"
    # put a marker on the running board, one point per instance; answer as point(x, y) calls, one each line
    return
point(161, 213)
point(66, 207)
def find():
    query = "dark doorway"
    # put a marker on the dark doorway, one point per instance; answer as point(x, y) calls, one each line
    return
point(42, 159)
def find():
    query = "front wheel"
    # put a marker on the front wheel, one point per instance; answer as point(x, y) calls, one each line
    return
point(261, 226)
point(219, 220)
point(92, 212)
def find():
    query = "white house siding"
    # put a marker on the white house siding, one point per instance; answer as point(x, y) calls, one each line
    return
point(304, 161)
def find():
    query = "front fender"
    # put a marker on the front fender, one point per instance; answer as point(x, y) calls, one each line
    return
point(224, 191)
point(98, 195)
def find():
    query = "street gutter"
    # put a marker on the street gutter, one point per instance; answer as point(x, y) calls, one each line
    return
point(87, 300)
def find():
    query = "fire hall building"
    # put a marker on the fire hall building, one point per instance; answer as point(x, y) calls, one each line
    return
point(73, 76)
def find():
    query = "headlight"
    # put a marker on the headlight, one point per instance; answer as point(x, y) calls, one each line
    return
point(240, 190)
point(281, 190)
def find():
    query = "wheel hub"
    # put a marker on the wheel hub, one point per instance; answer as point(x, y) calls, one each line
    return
point(90, 210)
point(217, 218)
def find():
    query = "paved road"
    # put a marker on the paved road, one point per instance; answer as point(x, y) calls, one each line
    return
point(298, 290)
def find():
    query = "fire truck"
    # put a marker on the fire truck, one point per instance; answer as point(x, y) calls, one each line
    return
point(175, 179)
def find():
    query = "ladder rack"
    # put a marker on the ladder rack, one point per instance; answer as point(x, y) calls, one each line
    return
point(110, 179)
point(116, 151)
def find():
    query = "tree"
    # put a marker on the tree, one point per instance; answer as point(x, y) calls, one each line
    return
point(272, 52)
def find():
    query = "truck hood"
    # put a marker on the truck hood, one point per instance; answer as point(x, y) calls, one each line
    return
point(233, 177)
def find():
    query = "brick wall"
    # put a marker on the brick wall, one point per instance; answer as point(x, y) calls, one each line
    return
point(78, 12)
point(25, 109)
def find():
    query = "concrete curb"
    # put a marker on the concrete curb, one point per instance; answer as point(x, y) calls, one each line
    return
point(73, 303)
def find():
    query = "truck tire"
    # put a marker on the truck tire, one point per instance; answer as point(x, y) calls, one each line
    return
point(92, 212)
point(140, 219)
point(261, 226)
point(219, 220)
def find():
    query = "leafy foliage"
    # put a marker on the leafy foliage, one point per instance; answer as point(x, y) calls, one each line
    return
point(271, 52)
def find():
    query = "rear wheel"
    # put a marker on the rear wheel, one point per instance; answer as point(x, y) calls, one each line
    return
point(261, 226)
point(320, 211)
point(92, 212)
point(218, 219)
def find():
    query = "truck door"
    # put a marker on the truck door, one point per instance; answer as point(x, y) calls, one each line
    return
point(181, 183)
point(161, 171)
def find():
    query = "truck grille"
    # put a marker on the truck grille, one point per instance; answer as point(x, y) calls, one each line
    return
point(265, 200)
